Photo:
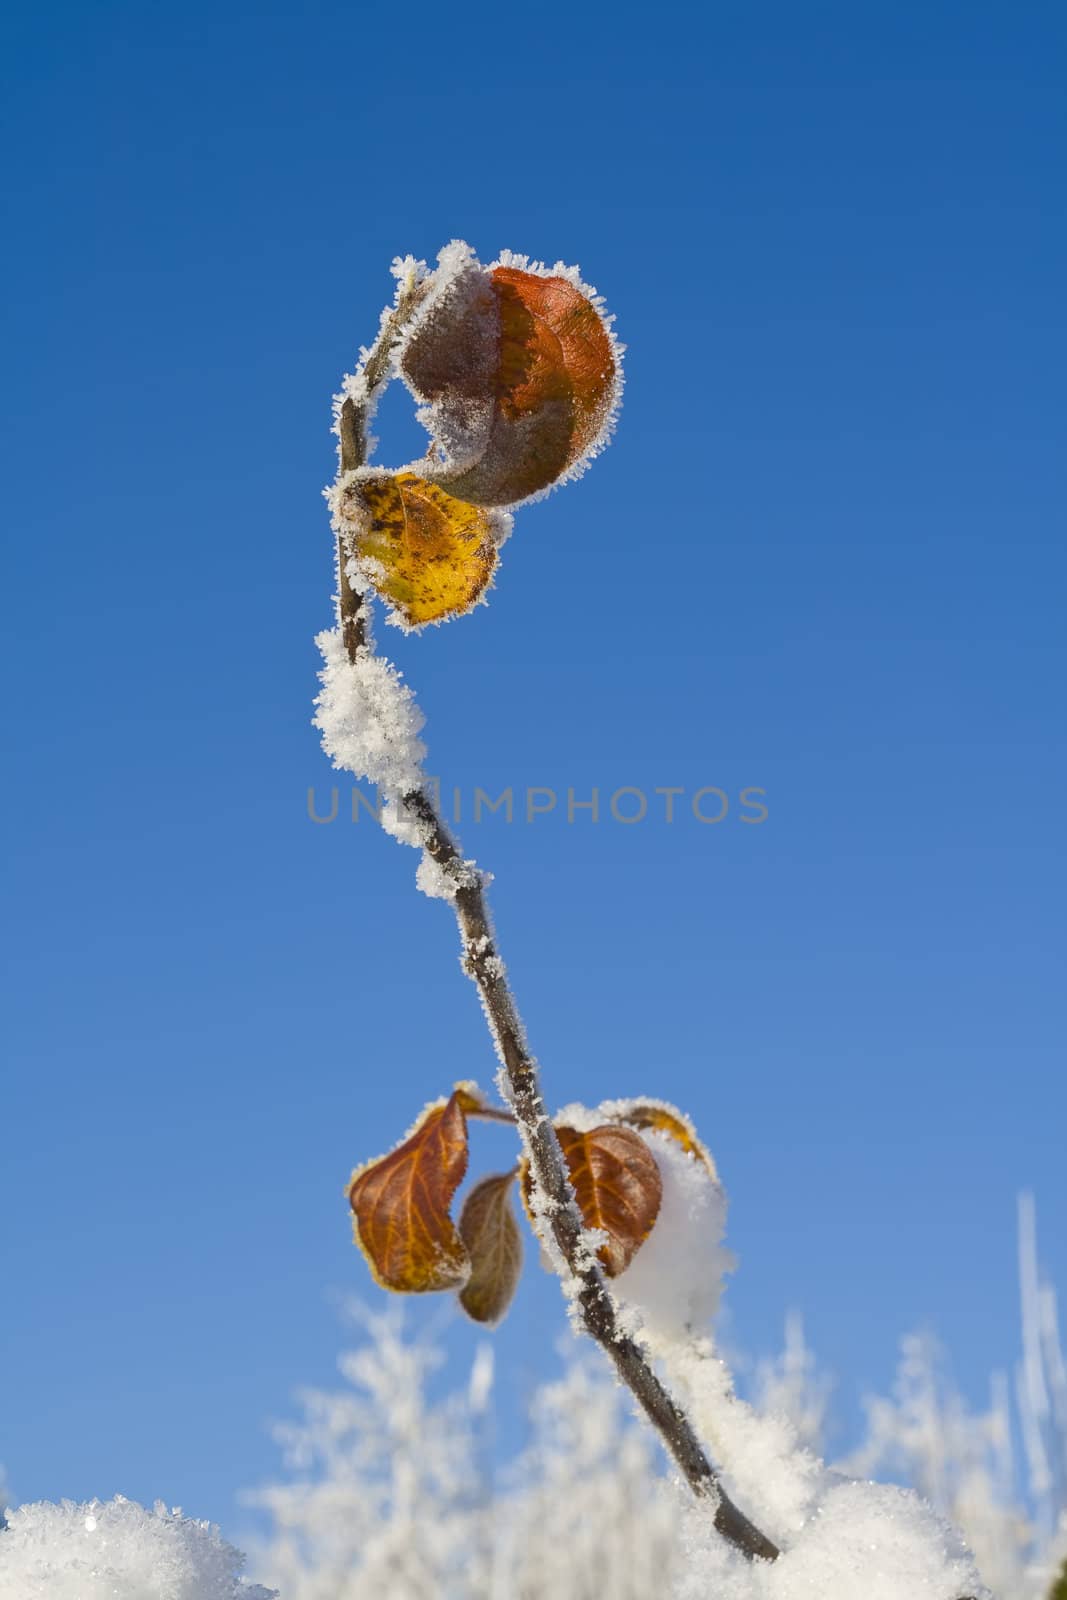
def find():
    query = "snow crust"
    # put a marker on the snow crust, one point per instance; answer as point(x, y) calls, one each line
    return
point(117, 1551)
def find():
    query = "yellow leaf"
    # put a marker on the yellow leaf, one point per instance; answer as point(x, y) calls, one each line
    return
point(668, 1119)
point(428, 554)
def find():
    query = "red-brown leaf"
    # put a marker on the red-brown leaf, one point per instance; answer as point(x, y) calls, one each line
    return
point(523, 377)
point(400, 1205)
point(617, 1185)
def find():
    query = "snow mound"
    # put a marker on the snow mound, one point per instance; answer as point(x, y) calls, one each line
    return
point(117, 1551)
point(866, 1541)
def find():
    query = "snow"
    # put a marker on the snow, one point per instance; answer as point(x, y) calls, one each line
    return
point(117, 1551)
point(439, 882)
point(368, 718)
point(865, 1541)
point(840, 1539)
point(370, 725)
point(675, 1280)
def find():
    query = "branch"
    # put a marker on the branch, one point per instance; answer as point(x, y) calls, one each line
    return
point(520, 1079)
point(352, 419)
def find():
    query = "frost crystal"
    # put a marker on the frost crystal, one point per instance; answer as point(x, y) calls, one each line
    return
point(368, 718)
point(117, 1551)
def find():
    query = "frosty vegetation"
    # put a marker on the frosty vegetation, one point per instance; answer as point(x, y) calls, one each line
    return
point(393, 1491)
point(390, 1492)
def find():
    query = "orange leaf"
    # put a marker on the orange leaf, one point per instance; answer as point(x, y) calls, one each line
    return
point(617, 1185)
point(428, 554)
point(400, 1205)
point(488, 1228)
point(667, 1119)
point(522, 377)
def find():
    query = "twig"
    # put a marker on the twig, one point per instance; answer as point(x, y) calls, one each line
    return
point(520, 1072)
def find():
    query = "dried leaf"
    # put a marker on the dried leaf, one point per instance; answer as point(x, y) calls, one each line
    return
point(617, 1185)
point(400, 1205)
point(522, 379)
point(488, 1228)
point(428, 554)
point(668, 1119)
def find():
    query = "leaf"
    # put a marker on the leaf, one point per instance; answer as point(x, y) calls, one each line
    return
point(488, 1228)
point(522, 376)
point(428, 554)
point(664, 1118)
point(617, 1185)
point(400, 1205)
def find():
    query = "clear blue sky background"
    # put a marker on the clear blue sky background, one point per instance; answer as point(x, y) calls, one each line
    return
point(823, 557)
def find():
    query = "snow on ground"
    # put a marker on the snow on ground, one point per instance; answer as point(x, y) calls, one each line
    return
point(117, 1551)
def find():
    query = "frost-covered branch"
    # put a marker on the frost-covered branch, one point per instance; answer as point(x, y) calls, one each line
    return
point(576, 1263)
point(517, 371)
point(370, 726)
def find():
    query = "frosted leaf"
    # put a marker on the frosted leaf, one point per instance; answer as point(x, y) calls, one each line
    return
point(428, 555)
point(117, 1551)
point(518, 374)
point(452, 350)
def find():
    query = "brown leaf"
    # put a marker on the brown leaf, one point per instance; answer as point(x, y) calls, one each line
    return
point(400, 1205)
point(488, 1228)
point(428, 554)
point(522, 378)
point(617, 1185)
point(668, 1119)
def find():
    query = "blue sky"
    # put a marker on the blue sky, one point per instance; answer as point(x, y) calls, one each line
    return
point(824, 557)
